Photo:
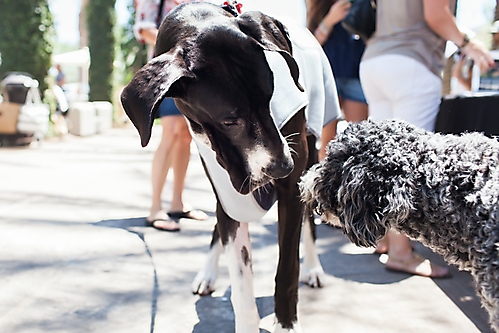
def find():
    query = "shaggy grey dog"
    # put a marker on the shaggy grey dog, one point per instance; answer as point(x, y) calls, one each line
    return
point(441, 190)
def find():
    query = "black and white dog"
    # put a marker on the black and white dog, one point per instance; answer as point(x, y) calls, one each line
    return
point(251, 93)
point(442, 190)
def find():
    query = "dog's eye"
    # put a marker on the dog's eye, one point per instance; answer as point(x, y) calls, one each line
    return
point(231, 122)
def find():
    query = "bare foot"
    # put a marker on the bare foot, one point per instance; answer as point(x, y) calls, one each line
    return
point(418, 266)
point(162, 222)
point(382, 246)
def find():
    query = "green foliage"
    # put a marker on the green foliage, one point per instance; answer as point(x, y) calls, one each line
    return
point(100, 21)
point(26, 36)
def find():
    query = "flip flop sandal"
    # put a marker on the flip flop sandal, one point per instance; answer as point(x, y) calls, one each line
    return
point(190, 214)
point(163, 225)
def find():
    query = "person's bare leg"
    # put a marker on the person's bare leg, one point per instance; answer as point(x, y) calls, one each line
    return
point(181, 157)
point(382, 246)
point(354, 111)
point(161, 163)
point(399, 245)
point(328, 134)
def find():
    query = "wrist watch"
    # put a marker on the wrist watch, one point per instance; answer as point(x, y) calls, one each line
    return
point(466, 40)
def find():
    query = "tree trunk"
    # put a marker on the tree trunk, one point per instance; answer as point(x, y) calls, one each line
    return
point(82, 24)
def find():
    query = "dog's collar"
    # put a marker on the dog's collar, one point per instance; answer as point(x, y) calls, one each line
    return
point(232, 7)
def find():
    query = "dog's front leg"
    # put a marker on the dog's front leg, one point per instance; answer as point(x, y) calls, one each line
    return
point(311, 272)
point(290, 212)
point(203, 283)
point(236, 241)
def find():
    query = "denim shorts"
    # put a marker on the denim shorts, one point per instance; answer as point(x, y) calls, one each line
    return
point(168, 108)
point(350, 88)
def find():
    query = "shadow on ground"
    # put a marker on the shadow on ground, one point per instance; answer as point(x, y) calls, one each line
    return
point(216, 313)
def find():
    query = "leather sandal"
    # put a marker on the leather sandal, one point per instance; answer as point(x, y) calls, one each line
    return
point(416, 265)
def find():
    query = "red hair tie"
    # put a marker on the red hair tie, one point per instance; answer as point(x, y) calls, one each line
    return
point(234, 6)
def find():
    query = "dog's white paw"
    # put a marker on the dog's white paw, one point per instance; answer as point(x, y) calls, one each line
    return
point(311, 272)
point(312, 277)
point(279, 329)
point(204, 282)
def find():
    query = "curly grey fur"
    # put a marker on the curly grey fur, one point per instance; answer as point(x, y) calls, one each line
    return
point(441, 190)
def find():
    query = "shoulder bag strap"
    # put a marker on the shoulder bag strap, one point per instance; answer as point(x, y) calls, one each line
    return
point(160, 12)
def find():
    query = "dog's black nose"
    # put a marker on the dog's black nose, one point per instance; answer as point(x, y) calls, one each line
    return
point(278, 169)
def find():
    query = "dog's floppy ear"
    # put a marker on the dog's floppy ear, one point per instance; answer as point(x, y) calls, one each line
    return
point(150, 85)
point(370, 203)
point(271, 35)
point(358, 206)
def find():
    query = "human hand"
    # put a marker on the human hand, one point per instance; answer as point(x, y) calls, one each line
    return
point(480, 54)
point(149, 35)
point(462, 71)
point(337, 12)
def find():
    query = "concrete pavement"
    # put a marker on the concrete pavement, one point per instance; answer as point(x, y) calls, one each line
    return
point(75, 256)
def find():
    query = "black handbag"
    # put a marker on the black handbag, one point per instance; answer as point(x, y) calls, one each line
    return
point(361, 19)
